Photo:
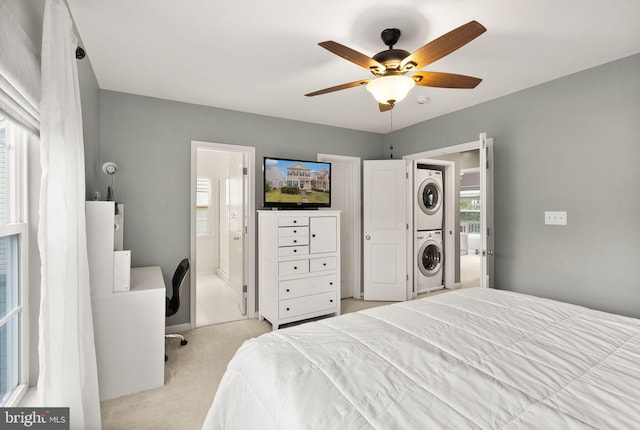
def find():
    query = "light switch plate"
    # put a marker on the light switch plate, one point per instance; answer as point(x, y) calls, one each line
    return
point(555, 217)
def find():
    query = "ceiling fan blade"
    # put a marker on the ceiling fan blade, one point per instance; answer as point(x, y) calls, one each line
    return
point(445, 80)
point(444, 45)
point(353, 56)
point(338, 88)
point(384, 107)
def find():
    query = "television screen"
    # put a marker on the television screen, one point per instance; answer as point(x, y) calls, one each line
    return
point(296, 183)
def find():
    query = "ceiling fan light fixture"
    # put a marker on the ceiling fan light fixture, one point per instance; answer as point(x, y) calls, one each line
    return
point(390, 89)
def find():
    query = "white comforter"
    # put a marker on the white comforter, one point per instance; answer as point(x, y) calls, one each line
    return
point(467, 359)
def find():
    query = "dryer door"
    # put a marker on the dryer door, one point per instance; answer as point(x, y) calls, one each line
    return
point(430, 196)
point(430, 258)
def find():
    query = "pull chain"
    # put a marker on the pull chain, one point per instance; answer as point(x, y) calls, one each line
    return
point(391, 129)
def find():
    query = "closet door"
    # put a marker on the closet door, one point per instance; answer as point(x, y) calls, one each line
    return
point(385, 229)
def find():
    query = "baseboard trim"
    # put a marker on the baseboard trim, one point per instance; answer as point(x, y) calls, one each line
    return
point(171, 329)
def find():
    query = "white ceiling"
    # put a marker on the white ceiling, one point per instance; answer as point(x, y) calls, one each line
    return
point(262, 56)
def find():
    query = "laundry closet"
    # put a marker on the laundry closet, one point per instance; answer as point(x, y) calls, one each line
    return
point(424, 227)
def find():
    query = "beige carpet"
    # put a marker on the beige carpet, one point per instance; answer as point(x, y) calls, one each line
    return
point(192, 375)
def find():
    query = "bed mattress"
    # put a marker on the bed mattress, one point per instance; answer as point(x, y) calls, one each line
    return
point(466, 359)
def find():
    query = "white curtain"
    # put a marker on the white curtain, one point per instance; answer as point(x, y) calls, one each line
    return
point(68, 371)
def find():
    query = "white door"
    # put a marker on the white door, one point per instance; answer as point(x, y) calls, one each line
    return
point(345, 197)
point(385, 229)
point(486, 211)
point(236, 227)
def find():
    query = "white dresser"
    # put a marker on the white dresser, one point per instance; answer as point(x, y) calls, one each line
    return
point(298, 265)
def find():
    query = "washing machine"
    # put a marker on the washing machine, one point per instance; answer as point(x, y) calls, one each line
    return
point(430, 261)
point(429, 203)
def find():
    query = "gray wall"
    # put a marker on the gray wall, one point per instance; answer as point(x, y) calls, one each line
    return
point(571, 144)
point(150, 141)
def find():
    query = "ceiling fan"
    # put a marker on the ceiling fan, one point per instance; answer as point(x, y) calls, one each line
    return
point(392, 66)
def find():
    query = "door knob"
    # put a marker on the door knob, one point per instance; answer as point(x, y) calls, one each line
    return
point(367, 237)
point(477, 252)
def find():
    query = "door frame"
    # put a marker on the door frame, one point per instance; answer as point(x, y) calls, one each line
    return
point(249, 250)
point(449, 215)
point(356, 226)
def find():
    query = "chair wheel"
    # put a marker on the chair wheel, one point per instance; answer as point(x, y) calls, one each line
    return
point(183, 342)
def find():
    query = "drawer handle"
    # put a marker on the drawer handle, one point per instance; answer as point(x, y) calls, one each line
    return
point(295, 250)
point(330, 283)
point(288, 309)
point(288, 290)
point(324, 264)
point(295, 267)
point(313, 235)
point(295, 231)
point(295, 221)
point(295, 241)
point(331, 301)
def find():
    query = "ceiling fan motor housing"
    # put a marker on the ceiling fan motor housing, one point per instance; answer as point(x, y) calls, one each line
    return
point(391, 59)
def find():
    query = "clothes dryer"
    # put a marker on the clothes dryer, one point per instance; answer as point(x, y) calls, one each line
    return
point(429, 260)
point(429, 199)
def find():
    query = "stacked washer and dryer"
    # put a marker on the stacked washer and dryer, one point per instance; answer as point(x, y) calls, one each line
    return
point(428, 219)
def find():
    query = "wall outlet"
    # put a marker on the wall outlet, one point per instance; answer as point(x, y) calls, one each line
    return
point(555, 217)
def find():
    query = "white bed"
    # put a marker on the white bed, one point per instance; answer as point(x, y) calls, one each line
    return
point(467, 359)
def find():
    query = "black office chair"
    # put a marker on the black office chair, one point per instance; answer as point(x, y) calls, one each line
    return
point(173, 303)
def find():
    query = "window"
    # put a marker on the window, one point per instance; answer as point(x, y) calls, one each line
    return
point(203, 199)
point(13, 340)
point(470, 211)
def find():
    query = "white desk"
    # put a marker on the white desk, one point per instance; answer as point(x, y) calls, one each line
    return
point(129, 335)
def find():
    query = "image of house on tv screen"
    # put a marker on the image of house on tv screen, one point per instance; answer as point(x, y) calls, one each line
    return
point(301, 182)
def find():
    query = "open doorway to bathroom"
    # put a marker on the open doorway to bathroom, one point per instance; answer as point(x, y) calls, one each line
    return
point(221, 216)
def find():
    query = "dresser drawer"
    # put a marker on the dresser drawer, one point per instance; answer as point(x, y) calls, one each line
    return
point(307, 305)
point(293, 231)
point(285, 221)
point(320, 264)
point(293, 267)
point(306, 286)
point(293, 241)
point(288, 251)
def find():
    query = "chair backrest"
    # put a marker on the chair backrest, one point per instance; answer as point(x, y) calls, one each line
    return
point(173, 304)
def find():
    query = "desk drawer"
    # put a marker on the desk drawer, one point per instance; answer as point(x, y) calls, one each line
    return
point(308, 304)
point(286, 268)
point(306, 286)
point(288, 251)
point(285, 221)
point(320, 264)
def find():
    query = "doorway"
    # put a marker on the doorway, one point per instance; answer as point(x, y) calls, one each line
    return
point(469, 214)
point(222, 211)
point(478, 262)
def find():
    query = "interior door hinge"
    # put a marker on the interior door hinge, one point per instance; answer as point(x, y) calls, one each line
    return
point(245, 171)
point(407, 174)
point(244, 288)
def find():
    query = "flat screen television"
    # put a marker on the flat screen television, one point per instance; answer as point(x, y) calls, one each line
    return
point(296, 184)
